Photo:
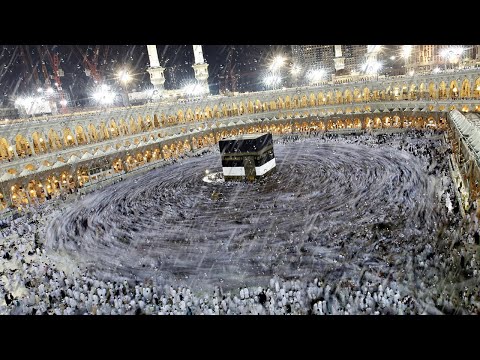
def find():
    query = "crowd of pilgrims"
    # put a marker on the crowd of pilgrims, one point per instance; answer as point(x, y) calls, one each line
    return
point(446, 272)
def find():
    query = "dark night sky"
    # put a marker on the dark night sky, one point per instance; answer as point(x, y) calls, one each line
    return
point(248, 63)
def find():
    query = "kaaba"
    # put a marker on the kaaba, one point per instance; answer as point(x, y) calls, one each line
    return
point(247, 157)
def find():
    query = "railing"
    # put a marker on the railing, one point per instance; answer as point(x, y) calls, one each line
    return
point(99, 110)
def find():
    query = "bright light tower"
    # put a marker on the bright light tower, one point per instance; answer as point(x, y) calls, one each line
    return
point(277, 63)
point(452, 54)
point(407, 51)
point(372, 67)
point(295, 70)
point(272, 81)
point(194, 89)
point(103, 95)
point(125, 77)
point(315, 76)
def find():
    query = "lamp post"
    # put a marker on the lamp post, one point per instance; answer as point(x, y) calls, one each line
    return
point(274, 78)
point(124, 77)
point(315, 76)
point(452, 55)
point(295, 72)
point(406, 52)
point(272, 81)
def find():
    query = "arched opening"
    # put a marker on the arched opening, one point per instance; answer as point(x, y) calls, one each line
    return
point(329, 98)
point(295, 102)
point(133, 126)
point(422, 91)
point(156, 122)
point(68, 137)
point(432, 91)
point(199, 114)
point(321, 98)
point(22, 146)
point(368, 123)
point(241, 109)
point(338, 97)
point(454, 92)
point(404, 92)
point(386, 122)
point(476, 90)
point(208, 112)
point(366, 94)
point(6, 150)
point(412, 93)
point(288, 103)
point(80, 135)
point(280, 103)
point(113, 128)
point(141, 125)
point(3, 202)
point(442, 90)
point(466, 89)
point(173, 150)
point(250, 107)
point(348, 96)
point(68, 182)
point(163, 119)
point(180, 116)
point(92, 133)
point(18, 195)
point(357, 97)
point(39, 143)
point(83, 176)
point(189, 116)
point(396, 121)
point(103, 131)
point(303, 102)
point(52, 186)
point(36, 191)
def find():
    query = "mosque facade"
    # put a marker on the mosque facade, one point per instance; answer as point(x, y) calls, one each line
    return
point(44, 156)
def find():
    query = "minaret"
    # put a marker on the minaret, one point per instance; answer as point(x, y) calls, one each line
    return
point(339, 59)
point(200, 67)
point(156, 71)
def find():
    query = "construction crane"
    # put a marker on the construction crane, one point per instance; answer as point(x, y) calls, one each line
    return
point(46, 77)
point(57, 74)
point(228, 74)
point(27, 60)
point(91, 65)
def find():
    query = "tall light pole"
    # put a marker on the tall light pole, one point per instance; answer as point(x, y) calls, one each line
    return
point(124, 77)
point(273, 79)
point(406, 52)
point(295, 72)
point(452, 55)
point(315, 76)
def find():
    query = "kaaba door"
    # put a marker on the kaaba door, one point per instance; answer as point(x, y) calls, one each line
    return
point(249, 165)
